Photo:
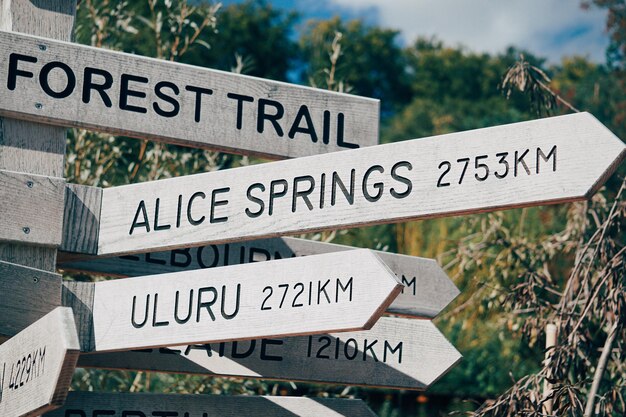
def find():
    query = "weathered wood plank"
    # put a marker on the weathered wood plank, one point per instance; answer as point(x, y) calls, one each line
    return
point(544, 161)
point(306, 295)
point(80, 86)
point(36, 365)
point(395, 353)
point(26, 295)
point(427, 289)
point(79, 296)
point(90, 404)
point(31, 147)
point(32, 208)
point(81, 217)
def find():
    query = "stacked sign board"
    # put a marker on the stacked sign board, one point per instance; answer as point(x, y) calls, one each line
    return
point(307, 318)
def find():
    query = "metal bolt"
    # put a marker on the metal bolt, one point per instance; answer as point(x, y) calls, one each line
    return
point(43, 47)
point(26, 230)
point(35, 280)
point(38, 105)
point(30, 184)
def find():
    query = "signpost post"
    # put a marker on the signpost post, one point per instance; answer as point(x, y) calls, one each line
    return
point(36, 365)
point(73, 85)
point(395, 353)
point(521, 164)
point(306, 295)
point(427, 289)
point(90, 404)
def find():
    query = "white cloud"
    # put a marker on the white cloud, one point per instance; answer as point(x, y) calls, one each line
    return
point(551, 28)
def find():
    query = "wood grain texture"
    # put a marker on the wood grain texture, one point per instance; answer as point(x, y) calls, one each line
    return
point(427, 289)
point(81, 217)
point(36, 365)
point(32, 208)
point(395, 353)
point(544, 161)
point(79, 296)
point(26, 295)
point(306, 295)
point(84, 404)
point(177, 103)
point(31, 147)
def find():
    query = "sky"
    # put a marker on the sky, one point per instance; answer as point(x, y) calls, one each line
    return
point(547, 28)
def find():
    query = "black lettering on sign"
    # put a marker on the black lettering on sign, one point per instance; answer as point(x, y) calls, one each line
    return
point(259, 201)
point(175, 106)
point(379, 186)
point(317, 292)
point(264, 349)
point(500, 165)
point(377, 350)
point(198, 100)
point(89, 85)
point(263, 115)
point(308, 129)
point(158, 226)
point(184, 307)
point(44, 79)
point(337, 181)
point(340, 129)
point(14, 72)
point(217, 203)
point(27, 368)
point(546, 158)
point(4, 368)
point(240, 100)
point(401, 179)
point(126, 92)
point(141, 210)
point(409, 284)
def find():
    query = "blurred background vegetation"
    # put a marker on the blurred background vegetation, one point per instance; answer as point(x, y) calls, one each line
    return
point(512, 267)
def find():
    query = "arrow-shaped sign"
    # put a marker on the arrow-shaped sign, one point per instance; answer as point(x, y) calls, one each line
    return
point(306, 295)
point(544, 161)
point(395, 353)
point(90, 404)
point(427, 289)
point(66, 84)
point(37, 364)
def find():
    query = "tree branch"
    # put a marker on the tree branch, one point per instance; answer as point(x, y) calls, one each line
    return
point(597, 377)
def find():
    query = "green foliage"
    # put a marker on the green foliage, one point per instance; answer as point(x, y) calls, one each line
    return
point(371, 63)
point(253, 37)
point(512, 267)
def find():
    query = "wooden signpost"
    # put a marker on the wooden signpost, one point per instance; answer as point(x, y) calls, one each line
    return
point(89, 404)
point(26, 295)
point(427, 289)
point(395, 353)
point(72, 85)
point(306, 295)
point(521, 164)
point(36, 365)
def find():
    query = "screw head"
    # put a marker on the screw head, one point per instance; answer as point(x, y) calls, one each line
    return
point(26, 230)
point(38, 105)
point(35, 280)
point(42, 47)
point(30, 184)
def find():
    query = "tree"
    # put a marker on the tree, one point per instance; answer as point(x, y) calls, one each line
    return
point(371, 62)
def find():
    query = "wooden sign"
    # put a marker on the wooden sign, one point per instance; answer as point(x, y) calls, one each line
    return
point(91, 404)
point(72, 85)
point(32, 208)
point(36, 365)
point(395, 353)
point(307, 295)
point(427, 289)
point(544, 161)
point(26, 295)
